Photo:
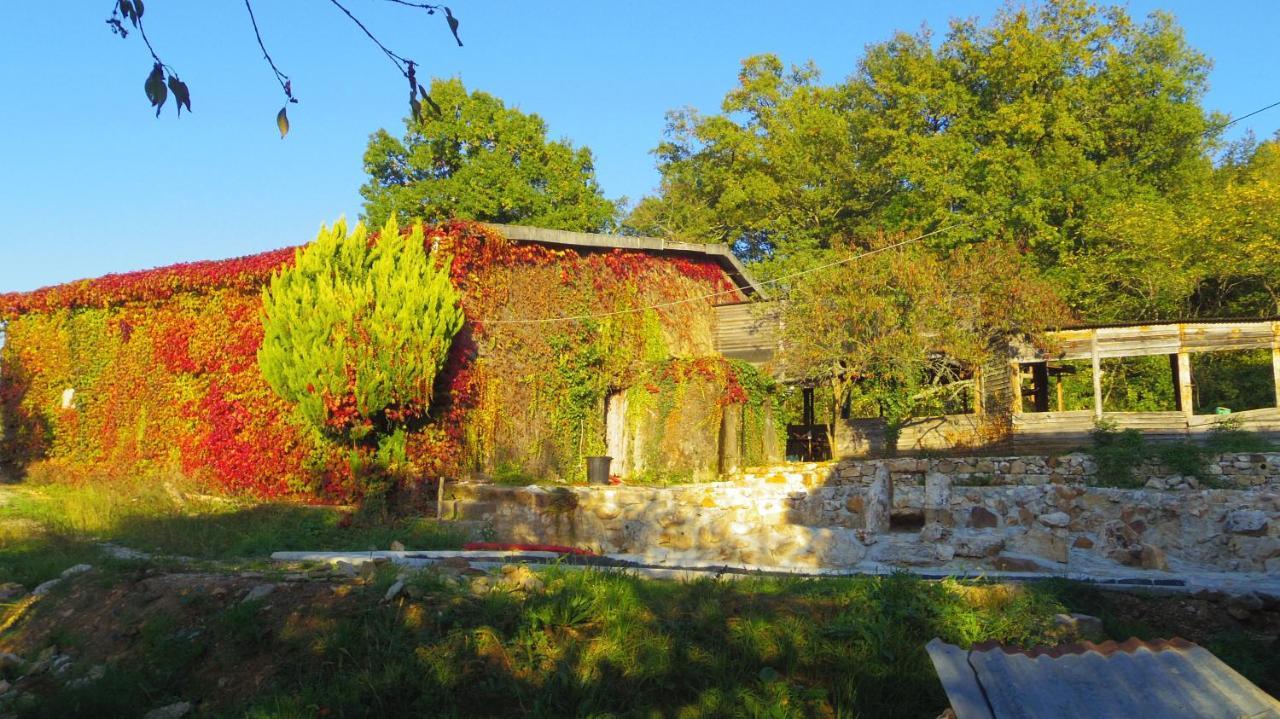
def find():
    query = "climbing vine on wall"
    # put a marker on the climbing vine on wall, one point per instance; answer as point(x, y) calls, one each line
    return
point(163, 370)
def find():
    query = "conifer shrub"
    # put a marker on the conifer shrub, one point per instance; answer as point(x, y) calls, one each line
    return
point(355, 333)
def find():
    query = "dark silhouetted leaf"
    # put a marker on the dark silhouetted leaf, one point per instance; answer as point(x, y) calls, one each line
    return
point(181, 95)
point(126, 10)
point(288, 90)
point(416, 108)
point(137, 9)
point(453, 25)
point(157, 93)
point(435, 109)
point(282, 122)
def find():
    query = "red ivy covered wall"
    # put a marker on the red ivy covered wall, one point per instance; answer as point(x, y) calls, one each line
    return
point(164, 371)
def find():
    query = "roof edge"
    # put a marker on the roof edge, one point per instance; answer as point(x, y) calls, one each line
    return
point(719, 252)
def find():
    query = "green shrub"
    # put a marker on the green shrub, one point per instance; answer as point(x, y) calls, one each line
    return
point(356, 332)
point(1228, 435)
point(1185, 458)
point(1116, 453)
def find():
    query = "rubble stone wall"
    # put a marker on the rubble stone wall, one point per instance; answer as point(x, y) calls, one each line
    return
point(981, 513)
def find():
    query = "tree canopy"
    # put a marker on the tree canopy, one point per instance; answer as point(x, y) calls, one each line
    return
point(898, 330)
point(1070, 130)
point(476, 159)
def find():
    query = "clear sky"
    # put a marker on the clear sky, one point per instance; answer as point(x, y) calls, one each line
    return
point(91, 182)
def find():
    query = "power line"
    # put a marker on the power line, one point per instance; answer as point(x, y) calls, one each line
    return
point(857, 256)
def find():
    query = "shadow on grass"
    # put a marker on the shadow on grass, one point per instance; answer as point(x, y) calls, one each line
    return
point(44, 530)
point(604, 644)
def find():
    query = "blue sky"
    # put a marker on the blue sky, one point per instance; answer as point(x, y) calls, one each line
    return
point(93, 183)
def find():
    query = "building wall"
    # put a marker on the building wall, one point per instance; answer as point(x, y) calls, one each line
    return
point(163, 371)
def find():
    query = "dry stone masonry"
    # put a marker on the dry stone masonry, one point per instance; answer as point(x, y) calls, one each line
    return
point(1021, 514)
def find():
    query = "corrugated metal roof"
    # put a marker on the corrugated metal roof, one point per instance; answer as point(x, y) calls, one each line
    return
point(1168, 679)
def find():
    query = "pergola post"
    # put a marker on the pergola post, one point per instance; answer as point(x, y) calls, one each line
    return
point(1097, 376)
point(1185, 400)
point(1040, 386)
point(1275, 358)
point(1015, 384)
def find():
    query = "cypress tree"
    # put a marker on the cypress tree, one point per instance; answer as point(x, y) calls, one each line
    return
point(356, 332)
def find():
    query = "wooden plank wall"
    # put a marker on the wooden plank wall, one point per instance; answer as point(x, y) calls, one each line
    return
point(1060, 431)
point(748, 331)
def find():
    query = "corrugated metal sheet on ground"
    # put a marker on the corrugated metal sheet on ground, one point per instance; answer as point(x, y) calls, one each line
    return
point(1168, 679)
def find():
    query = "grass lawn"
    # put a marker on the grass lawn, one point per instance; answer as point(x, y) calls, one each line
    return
point(48, 527)
point(586, 643)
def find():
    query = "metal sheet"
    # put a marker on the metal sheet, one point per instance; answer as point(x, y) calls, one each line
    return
point(1175, 679)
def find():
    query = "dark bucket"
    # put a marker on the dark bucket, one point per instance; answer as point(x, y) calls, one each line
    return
point(598, 469)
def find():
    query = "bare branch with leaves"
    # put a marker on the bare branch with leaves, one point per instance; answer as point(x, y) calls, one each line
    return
point(126, 15)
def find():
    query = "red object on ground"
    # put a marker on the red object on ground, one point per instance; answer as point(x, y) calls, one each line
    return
point(500, 546)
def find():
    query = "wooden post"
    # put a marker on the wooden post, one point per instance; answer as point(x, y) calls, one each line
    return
point(1275, 358)
point(1015, 387)
point(1097, 377)
point(1062, 404)
point(979, 398)
point(440, 500)
point(1186, 401)
point(1040, 386)
point(731, 439)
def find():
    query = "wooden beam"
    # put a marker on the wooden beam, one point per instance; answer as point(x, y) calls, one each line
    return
point(1097, 376)
point(1186, 402)
point(1275, 358)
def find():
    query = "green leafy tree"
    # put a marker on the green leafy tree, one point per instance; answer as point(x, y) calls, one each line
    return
point(471, 157)
point(901, 331)
point(1237, 241)
point(1027, 130)
point(356, 332)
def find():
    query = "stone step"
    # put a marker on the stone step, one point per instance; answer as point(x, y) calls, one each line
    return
point(467, 510)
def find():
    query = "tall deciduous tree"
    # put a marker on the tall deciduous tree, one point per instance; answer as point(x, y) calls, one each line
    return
point(472, 157)
point(1027, 130)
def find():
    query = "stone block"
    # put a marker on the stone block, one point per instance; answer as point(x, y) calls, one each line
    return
point(1017, 564)
point(933, 532)
point(879, 501)
point(981, 545)
point(937, 491)
point(1054, 519)
point(983, 518)
point(1040, 543)
point(1247, 521)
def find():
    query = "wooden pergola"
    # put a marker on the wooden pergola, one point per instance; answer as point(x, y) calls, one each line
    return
point(1177, 340)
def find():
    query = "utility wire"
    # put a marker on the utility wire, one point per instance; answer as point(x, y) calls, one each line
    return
point(857, 256)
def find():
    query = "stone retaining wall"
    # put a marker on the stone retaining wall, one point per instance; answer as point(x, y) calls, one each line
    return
point(1014, 514)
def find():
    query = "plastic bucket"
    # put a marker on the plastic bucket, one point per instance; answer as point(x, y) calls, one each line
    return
point(598, 469)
